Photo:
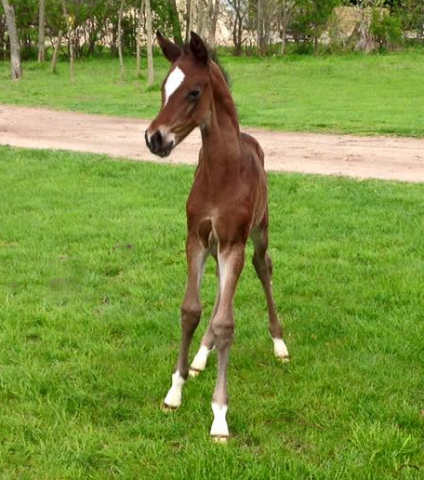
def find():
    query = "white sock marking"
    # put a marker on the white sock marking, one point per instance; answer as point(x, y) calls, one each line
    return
point(174, 80)
point(219, 426)
point(280, 349)
point(199, 361)
point(173, 397)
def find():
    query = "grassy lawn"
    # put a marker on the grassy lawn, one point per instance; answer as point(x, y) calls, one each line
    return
point(92, 273)
point(375, 94)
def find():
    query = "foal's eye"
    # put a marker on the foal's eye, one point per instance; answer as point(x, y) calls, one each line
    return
point(193, 94)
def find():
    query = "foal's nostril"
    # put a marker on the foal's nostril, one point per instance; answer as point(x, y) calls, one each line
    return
point(156, 141)
point(158, 144)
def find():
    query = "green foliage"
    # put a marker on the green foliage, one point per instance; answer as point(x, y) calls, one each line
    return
point(386, 30)
point(92, 273)
point(312, 17)
point(26, 16)
point(411, 13)
point(95, 24)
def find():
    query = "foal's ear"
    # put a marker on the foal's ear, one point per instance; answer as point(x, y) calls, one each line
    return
point(198, 48)
point(171, 51)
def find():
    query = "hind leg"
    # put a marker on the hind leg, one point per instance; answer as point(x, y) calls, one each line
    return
point(263, 266)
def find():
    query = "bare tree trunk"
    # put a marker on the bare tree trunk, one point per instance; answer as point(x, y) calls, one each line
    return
point(238, 35)
point(213, 24)
point(55, 52)
point(70, 41)
point(283, 38)
point(175, 21)
point(201, 18)
point(287, 7)
point(15, 51)
point(90, 35)
point(121, 57)
point(366, 41)
point(150, 70)
point(207, 19)
point(189, 20)
point(2, 34)
point(41, 30)
point(138, 54)
point(259, 25)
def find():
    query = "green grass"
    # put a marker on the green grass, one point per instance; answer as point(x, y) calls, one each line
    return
point(92, 273)
point(374, 94)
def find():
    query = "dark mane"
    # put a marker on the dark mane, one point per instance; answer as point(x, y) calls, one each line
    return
point(214, 57)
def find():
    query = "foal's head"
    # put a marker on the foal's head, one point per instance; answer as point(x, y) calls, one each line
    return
point(186, 95)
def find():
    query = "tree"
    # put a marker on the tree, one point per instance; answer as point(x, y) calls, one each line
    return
point(213, 15)
point(150, 70)
point(41, 30)
point(411, 13)
point(2, 36)
point(139, 27)
point(201, 18)
point(386, 30)
point(238, 13)
point(121, 57)
point(55, 52)
point(266, 12)
point(313, 16)
point(260, 25)
point(175, 22)
point(15, 51)
point(365, 40)
point(286, 10)
point(70, 41)
point(189, 19)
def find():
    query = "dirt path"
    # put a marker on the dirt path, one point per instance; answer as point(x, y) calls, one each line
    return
point(362, 157)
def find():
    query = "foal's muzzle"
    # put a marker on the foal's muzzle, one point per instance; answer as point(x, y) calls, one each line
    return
point(158, 144)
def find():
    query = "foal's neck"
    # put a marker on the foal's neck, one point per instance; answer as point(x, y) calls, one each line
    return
point(221, 132)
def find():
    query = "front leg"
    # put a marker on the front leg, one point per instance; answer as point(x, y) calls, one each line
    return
point(231, 261)
point(191, 311)
point(208, 342)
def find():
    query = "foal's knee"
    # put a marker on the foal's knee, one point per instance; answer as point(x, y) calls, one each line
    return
point(223, 332)
point(190, 316)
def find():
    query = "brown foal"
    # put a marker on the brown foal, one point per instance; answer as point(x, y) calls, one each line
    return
point(226, 205)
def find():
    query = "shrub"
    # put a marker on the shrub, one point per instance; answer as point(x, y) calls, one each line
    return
point(386, 31)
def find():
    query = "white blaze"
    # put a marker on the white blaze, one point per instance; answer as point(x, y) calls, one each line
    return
point(174, 80)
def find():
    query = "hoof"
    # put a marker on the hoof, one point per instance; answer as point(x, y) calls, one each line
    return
point(194, 372)
point(284, 358)
point(280, 350)
point(168, 408)
point(219, 439)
